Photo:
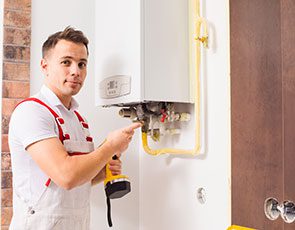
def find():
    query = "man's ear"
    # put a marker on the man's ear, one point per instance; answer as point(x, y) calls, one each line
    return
point(44, 66)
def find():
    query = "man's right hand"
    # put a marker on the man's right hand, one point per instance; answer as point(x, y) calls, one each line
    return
point(120, 139)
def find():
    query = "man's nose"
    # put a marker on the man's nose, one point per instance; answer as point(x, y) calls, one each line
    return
point(75, 70)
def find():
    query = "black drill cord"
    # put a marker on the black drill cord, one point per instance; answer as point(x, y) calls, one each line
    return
point(109, 215)
point(109, 212)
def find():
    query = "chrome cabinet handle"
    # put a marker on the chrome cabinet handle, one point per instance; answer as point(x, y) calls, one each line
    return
point(288, 211)
point(273, 210)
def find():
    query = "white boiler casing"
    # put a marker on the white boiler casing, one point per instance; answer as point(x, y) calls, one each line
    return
point(141, 51)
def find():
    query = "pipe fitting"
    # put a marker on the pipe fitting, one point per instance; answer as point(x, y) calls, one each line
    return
point(128, 113)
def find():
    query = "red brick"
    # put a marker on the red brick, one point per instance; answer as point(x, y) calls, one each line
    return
point(16, 36)
point(5, 161)
point(14, 53)
point(5, 124)
point(15, 89)
point(16, 71)
point(5, 147)
point(20, 19)
point(6, 177)
point(6, 215)
point(17, 4)
point(6, 197)
point(8, 105)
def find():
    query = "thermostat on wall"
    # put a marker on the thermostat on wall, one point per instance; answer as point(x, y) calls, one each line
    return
point(115, 86)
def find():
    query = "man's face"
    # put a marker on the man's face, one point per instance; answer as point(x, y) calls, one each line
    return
point(65, 68)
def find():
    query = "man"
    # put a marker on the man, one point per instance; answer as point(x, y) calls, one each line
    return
point(52, 154)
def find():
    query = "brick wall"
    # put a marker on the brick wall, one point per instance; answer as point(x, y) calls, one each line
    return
point(16, 85)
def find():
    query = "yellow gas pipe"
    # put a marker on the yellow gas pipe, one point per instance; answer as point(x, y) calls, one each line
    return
point(199, 21)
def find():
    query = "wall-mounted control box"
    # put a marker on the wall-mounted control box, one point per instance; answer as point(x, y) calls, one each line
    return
point(115, 86)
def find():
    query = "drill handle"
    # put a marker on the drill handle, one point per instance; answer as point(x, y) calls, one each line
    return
point(108, 171)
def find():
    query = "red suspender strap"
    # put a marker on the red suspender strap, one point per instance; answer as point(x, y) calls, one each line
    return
point(85, 126)
point(61, 137)
point(80, 118)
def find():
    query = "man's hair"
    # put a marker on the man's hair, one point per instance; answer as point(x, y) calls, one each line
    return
point(68, 34)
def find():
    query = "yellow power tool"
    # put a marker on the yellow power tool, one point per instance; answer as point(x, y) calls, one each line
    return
point(116, 186)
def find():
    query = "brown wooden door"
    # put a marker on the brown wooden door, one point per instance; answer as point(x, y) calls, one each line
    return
point(262, 37)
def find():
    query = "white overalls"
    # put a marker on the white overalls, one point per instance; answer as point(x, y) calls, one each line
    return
point(58, 208)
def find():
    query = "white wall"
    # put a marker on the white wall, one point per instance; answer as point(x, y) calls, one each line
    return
point(50, 16)
point(163, 188)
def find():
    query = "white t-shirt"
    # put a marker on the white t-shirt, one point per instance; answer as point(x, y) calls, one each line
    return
point(31, 122)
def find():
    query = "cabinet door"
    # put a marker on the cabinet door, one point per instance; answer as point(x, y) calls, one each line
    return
point(263, 109)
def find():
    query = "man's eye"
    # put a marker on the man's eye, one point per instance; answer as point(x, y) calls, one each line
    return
point(82, 64)
point(65, 62)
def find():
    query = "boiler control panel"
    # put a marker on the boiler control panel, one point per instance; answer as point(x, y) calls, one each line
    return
point(115, 86)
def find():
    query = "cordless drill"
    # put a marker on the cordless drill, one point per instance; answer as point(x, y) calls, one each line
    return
point(116, 186)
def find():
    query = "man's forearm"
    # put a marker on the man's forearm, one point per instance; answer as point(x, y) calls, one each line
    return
point(88, 167)
point(69, 171)
point(99, 177)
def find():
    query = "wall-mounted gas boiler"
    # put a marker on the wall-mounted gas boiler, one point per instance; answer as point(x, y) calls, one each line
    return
point(146, 61)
